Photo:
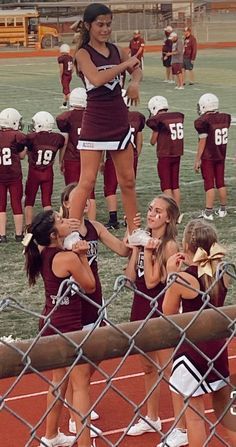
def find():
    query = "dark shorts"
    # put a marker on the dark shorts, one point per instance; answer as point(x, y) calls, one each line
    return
point(36, 179)
point(167, 62)
point(213, 174)
point(168, 171)
point(15, 189)
point(65, 82)
point(187, 64)
point(72, 173)
point(176, 68)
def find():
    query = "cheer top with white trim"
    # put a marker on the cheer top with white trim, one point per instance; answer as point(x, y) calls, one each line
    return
point(189, 365)
point(141, 306)
point(68, 315)
point(105, 123)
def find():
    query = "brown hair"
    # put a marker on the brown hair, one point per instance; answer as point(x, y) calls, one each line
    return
point(201, 234)
point(170, 230)
point(65, 197)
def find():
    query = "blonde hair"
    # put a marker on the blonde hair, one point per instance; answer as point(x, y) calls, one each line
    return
point(202, 234)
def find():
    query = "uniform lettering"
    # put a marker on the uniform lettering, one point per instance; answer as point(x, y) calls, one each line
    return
point(221, 136)
point(176, 131)
point(5, 157)
point(44, 157)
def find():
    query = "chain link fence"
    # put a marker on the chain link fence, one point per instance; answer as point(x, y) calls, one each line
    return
point(112, 341)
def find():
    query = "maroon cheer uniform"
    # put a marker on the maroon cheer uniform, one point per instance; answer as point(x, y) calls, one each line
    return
point(141, 306)
point(189, 366)
point(214, 126)
point(170, 146)
point(105, 123)
point(12, 142)
point(42, 150)
point(67, 61)
point(137, 123)
point(70, 122)
point(66, 317)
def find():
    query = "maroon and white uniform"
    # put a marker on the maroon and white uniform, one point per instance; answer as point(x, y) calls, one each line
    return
point(141, 306)
point(105, 123)
point(70, 122)
point(214, 126)
point(67, 61)
point(89, 311)
point(12, 142)
point(137, 123)
point(189, 366)
point(170, 146)
point(42, 150)
point(67, 316)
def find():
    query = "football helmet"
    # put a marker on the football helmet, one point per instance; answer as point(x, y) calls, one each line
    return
point(78, 97)
point(157, 103)
point(207, 103)
point(64, 48)
point(42, 121)
point(11, 119)
point(127, 100)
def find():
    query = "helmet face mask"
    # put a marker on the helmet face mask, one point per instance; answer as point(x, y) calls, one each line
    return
point(42, 121)
point(207, 103)
point(78, 98)
point(11, 119)
point(157, 103)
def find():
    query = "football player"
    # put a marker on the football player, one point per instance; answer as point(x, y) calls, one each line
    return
point(43, 145)
point(12, 150)
point(69, 123)
point(65, 61)
point(168, 135)
point(213, 129)
point(137, 123)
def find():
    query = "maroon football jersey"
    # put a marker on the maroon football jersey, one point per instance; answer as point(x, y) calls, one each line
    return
point(70, 122)
point(67, 61)
point(67, 316)
point(170, 128)
point(43, 147)
point(112, 88)
point(12, 142)
point(167, 46)
point(215, 126)
point(136, 121)
point(134, 46)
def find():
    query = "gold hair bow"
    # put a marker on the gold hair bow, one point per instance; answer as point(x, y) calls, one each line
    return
point(26, 240)
point(207, 263)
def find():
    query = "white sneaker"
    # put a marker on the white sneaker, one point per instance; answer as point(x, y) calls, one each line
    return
point(176, 438)
point(206, 216)
point(221, 213)
point(63, 107)
point(144, 427)
point(59, 441)
point(93, 433)
point(139, 237)
point(166, 80)
point(181, 87)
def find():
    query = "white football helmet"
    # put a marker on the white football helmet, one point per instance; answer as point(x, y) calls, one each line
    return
point(42, 121)
point(64, 48)
point(157, 103)
point(127, 100)
point(11, 119)
point(78, 97)
point(207, 103)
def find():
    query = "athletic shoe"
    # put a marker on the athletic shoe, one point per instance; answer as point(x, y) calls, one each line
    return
point(112, 225)
point(63, 106)
point(191, 83)
point(166, 80)
point(176, 438)
point(221, 213)
point(171, 81)
point(3, 239)
point(139, 237)
point(181, 88)
point(60, 440)
point(206, 216)
point(143, 426)
point(19, 237)
point(93, 433)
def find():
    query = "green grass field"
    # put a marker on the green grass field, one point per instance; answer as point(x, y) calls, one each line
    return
point(31, 85)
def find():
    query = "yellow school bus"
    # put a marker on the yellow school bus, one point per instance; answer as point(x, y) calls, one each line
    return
point(22, 27)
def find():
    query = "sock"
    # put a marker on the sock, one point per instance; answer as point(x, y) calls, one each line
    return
point(208, 211)
point(65, 103)
point(113, 216)
point(222, 207)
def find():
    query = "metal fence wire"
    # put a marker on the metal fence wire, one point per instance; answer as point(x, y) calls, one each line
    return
point(38, 355)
